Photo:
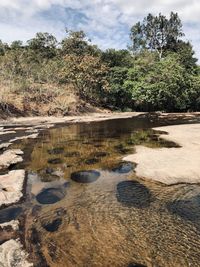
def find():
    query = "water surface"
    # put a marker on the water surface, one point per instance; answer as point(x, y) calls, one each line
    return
point(86, 207)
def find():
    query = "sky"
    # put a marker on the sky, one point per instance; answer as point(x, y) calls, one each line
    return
point(106, 22)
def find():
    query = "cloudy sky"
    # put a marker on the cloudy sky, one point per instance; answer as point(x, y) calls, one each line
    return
point(107, 22)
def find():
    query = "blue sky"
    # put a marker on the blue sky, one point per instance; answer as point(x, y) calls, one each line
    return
point(107, 22)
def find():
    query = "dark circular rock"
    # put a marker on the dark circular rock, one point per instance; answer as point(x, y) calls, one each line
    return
point(124, 167)
point(52, 226)
point(85, 176)
point(91, 161)
point(133, 194)
point(187, 209)
point(136, 265)
point(100, 154)
point(56, 151)
point(55, 161)
point(9, 214)
point(72, 154)
point(50, 196)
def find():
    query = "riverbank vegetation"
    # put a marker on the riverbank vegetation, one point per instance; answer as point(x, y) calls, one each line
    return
point(157, 72)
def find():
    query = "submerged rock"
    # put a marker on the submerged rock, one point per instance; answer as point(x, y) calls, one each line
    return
point(11, 186)
point(56, 151)
point(91, 161)
point(72, 154)
point(55, 161)
point(52, 226)
point(133, 194)
point(50, 195)
point(9, 214)
point(85, 176)
point(124, 167)
point(12, 254)
point(100, 154)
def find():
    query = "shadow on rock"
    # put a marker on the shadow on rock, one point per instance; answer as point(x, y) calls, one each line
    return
point(133, 194)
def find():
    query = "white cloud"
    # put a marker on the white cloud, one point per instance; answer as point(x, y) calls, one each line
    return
point(106, 21)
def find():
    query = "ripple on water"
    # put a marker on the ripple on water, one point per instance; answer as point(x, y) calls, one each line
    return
point(50, 195)
point(133, 194)
point(85, 176)
point(9, 214)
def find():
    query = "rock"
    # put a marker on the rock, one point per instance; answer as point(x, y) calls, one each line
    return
point(91, 161)
point(13, 224)
point(50, 196)
point(55, 161)
point(124, 167)
point(13, 255)
point(5, 145)
point(10, 157)
point(171, 165)
point(52, 226)
point(100, 154)
point(56, 151)
point(72, 154)
point(11, 186)
point(85, 176)
point(31, 136)
point(133, 194)
point(9, 214)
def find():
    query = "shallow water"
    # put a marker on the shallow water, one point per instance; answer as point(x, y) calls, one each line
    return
point(85, 206)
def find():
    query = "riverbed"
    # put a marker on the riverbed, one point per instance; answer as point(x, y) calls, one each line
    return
point(83, 205)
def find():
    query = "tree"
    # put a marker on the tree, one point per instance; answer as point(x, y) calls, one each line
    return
point(43, 45)
point(117, 58)
point(155, 33)
point(78, 44)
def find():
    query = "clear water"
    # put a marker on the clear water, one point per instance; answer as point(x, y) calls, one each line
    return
point(85, 207)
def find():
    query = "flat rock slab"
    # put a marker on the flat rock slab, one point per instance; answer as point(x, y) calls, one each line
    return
point(11, 186)
point(12, 254)
point(10, 157)
point(171, 165)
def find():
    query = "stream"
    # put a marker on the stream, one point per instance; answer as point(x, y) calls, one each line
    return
point(85, 207)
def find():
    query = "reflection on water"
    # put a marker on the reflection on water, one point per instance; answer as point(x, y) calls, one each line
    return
point(86, 208)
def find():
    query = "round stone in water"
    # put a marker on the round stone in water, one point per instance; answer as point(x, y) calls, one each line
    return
point(50, 196)
point(85, 176)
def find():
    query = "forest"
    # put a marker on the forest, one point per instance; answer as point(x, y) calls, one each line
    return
point(157, 72)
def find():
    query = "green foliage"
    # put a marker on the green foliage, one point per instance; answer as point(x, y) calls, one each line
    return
point(156, 32)
point(160, 73)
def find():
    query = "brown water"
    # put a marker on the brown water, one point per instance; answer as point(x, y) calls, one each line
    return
point(85, 207)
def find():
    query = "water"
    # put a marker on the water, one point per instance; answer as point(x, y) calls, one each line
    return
point(86, 207)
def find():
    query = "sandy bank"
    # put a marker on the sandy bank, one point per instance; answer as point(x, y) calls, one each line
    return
point(171, 165)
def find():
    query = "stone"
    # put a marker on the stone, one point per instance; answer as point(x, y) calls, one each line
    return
point(13, 255)
point(85, 176)
point(50, 196)
point(11, 186)
point(10, 157)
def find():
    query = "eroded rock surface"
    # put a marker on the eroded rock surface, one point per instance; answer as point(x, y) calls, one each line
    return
point(171, 165)
point(13, 255)
point(11, 186)
point(10, 157)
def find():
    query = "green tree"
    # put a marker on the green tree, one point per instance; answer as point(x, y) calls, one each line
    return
point(78, 44)
point(155, 33)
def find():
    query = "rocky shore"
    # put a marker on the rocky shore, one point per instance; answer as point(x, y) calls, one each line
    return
point(171, 165)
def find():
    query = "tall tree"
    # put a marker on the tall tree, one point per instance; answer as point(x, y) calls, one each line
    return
point(156, 32)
